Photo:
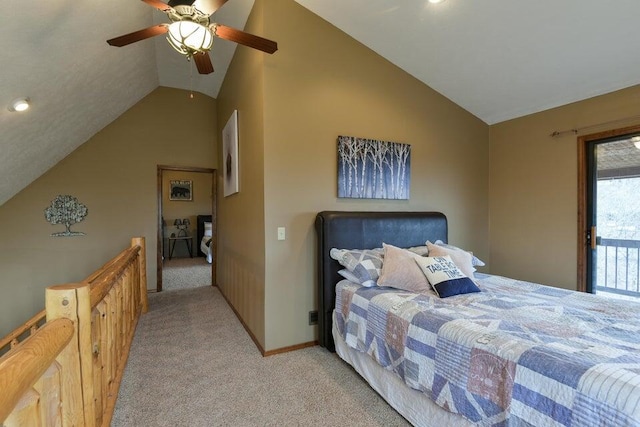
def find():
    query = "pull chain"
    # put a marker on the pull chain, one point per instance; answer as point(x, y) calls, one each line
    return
point(191, 77)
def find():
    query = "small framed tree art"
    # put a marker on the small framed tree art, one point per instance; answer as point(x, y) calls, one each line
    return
point(66, 210)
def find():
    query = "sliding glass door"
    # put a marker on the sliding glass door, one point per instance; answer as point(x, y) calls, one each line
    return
point(612, 232)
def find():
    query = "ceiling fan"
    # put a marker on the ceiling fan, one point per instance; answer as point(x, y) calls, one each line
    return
point(191, 32)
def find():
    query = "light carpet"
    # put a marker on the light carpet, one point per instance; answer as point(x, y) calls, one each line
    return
point(193, 364)
point(183, 273)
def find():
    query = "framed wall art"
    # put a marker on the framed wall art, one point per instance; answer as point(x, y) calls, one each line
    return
point(66, 210)
point(181, 190)
point(373, 169)
point(230, 155)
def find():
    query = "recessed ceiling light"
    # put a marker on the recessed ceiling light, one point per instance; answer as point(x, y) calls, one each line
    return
point(436, 1)
point(636, 141)
point(20, 104)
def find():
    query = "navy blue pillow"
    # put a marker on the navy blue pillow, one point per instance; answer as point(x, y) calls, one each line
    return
point(445, 277)
point(452, 287)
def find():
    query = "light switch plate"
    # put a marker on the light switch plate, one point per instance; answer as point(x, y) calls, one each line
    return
point(281, 233)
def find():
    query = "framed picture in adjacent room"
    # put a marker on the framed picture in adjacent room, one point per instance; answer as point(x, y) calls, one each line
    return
point(181, 190)
point(230, 155)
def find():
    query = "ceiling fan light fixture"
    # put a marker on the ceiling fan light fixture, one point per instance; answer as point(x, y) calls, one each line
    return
point(19, 105)
point(188, 37)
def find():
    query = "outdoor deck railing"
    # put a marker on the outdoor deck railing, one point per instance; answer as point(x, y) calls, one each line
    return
point(618, 266)
point(67, 371)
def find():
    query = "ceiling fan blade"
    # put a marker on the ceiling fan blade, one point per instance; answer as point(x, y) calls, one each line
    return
point(246, 39)
point(158, 5)
point(208, 6)
point(203, 62)
point(174, 3)
point(138, 35)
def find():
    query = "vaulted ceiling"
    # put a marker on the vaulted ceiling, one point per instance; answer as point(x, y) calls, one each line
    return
point(499, 59)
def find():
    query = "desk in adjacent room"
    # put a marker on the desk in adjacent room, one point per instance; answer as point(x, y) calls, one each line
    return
point(188, 239)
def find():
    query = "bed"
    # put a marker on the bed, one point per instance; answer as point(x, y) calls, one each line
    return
point(515, 353)
point(204, 237)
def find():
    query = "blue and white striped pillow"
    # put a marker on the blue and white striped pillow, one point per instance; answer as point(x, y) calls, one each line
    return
point(365, 264)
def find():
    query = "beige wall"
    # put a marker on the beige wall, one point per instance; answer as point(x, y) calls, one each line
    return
point(321, 84)
point(241, 249)
point(533, 187)
point(114, 175)
point(201, 204)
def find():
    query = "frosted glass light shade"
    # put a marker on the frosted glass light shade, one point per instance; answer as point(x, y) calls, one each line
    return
point(188, 37)
point(20, 104)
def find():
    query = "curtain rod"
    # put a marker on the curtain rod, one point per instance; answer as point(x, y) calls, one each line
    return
point(575, 130)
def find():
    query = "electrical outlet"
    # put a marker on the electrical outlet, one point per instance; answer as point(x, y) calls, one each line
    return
point(313, 317)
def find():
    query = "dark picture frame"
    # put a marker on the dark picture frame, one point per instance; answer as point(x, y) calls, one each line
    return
point(181, 190)
point(230, 155)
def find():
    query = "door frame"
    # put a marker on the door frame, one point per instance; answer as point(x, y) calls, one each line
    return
point(583, 196)
point(214, 220)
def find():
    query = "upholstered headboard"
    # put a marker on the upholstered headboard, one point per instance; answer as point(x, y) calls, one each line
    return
point(201, 219)
point(364, 230)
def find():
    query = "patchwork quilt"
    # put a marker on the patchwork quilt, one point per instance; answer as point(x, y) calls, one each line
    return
point(515, 354)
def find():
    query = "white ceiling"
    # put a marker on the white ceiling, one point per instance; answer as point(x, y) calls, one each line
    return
point(499, 59)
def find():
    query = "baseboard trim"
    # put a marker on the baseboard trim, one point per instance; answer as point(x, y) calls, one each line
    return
point(244, 325)
point(290, 348)
point(255, 340)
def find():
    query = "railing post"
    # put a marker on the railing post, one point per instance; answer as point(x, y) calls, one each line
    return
point(142, 264)
point(25, 366)
point(73, 302)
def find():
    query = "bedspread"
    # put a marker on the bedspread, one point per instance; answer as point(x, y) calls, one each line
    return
point(515, 354)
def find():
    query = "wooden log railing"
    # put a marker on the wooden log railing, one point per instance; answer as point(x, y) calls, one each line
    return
point(68, 371)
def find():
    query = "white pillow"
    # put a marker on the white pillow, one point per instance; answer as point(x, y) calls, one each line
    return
point(461, 258)
point(400, 271)
point(208, 229)
point(475, 261)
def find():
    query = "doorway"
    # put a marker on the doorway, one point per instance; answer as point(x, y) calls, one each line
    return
point(195, 200)
point(609, 213)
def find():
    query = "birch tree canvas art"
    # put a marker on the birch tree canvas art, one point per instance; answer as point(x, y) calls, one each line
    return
point(372, 169)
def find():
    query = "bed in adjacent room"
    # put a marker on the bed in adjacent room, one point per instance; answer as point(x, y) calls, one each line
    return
point(474, 349)
point(204, 237)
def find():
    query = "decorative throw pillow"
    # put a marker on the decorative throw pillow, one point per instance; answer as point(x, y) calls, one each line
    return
point(353, 278)
point(461, 258)
point(475, 261)
point(365, 264)
point(400, 271)
point(445, 277)
point(419, 250)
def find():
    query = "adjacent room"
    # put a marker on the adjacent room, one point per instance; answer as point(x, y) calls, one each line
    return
point(185, 254)
point(285, 212)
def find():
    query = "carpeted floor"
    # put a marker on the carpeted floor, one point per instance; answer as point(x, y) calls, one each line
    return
point(193, 364)
point(184, 273)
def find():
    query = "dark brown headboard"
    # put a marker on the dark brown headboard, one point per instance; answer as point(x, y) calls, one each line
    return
point(364, 230)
